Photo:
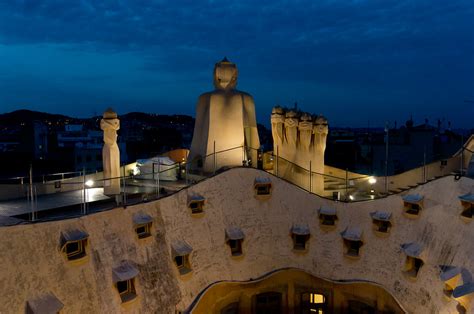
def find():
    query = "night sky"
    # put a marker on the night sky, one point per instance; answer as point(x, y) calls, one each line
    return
point(353, 61)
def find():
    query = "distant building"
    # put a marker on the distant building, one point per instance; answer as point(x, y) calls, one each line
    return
point(86, 147)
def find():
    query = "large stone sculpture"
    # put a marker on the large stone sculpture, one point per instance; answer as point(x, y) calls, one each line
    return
point(225, 123)
point(110, 152)
point(299, 140)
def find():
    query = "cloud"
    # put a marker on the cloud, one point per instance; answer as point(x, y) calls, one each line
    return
point(409, 51)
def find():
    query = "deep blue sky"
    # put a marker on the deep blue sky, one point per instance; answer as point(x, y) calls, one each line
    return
point(353, 61)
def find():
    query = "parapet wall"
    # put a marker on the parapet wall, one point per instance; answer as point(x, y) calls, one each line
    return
point(32, 264)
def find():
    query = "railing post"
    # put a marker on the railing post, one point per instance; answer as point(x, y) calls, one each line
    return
point(186, 171)
point(31, 193)
point(84, 191)
point(347, 183)
point(276, 172)
point(310, 178)
point(124, 188)
point(214, 157)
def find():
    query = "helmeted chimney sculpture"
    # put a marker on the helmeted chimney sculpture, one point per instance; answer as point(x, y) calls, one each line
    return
point(225, 123)
point(299, 141)
point(110, 152)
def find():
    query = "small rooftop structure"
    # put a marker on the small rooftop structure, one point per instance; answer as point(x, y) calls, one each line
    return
point(299, 229)
point(412, 249)
point(142, 219)
point(181, 248)
point(196, 198)
point(413, 198)
point(327, 211)
point(234, 233)
point(72, 235)
point(449, 272)
point(262, 180)
point(124, 272)
point(45, 304)
point(468, 198)
point(380, 215)
point(352, 234)
point(463, 290)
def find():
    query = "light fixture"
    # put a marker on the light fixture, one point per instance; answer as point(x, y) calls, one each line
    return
point(372, 180)
point(351, 197)
point(89, 183)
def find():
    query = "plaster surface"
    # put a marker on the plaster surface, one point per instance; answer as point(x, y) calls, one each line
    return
point(32, 264)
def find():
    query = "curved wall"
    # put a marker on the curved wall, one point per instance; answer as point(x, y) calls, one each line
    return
point(32, 265)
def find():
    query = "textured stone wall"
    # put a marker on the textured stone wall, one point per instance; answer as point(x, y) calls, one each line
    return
point(32, 265)
point(268, 245)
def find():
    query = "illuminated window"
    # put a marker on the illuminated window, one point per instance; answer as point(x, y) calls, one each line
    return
point(313, 303)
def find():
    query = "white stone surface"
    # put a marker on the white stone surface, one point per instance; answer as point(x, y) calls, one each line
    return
point(110, 152)
point(32, 264)
point(224, 117)
point(299, 139)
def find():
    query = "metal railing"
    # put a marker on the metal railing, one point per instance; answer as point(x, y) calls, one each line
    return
point(80, 195)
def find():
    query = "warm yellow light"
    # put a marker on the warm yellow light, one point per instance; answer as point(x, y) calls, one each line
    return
point(316, 298)
point(89, 183)
point(372, 180)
